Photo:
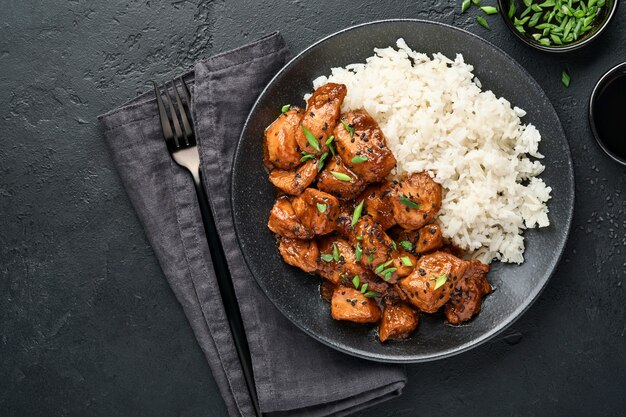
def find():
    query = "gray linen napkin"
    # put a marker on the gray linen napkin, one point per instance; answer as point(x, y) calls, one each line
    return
point(294, 374)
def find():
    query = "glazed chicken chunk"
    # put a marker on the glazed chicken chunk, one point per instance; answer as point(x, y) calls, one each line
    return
point(330, 182)
point(416, 201)
point(345, 267)
point(302, 254)
point(295, 181)
point(379, 253)
point(316, 210)
point(320, 117)
point(424, 240)
point(363, 147)
point(279, 145)
point(374, 242)
point(432, 282)
point(377, 203)
point(398, 322)
point(467, 296)
point(350, 304)
point(284, 222)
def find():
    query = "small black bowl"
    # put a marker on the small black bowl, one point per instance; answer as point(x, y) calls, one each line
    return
point(606, 16)
point(618, 71)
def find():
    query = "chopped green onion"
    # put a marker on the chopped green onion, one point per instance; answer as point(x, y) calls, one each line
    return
point(489, 9)
point(526, 11)
point(321, 207)
point(519, 22)
point(311, 139)
point(356, 215)
point(370, 258)
point(320, 164)
point(329, 143)
point(409, 203)
point(388, 273)
point(327, 257)
point(356, 281)
point(359, 238)
point(534, 19)
point(364, 288)
point(511, 9)
point(349, 128)
point(335, 252)
point(285, 108)
point(341, 176)
point(565, 78)
point(406, 245)
point(393, 245)
point(481, 21)
point(306, 156)
point(358, 252)
point(556, 39)
point(382, 266)
point(406, 261)
point(440, 281)
point(536, 8)
point(476, 2)
point(465, 5)
point(359, 159)
point(371, 294)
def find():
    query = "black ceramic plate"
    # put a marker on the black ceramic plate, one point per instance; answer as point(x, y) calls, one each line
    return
point(296, 294)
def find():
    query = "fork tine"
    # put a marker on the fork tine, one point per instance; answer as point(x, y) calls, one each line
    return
point(186, 92)
point(179, 133)
point(165, 123)
point(183, 116)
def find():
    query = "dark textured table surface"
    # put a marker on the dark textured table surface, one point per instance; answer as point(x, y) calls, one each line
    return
point(88, 325)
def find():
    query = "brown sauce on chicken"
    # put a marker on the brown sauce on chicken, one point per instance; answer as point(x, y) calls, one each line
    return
point(373, 241)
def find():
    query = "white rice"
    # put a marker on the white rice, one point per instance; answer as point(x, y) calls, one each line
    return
point(437, 119)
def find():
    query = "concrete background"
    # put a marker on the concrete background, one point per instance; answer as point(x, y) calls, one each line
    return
point(88, 325)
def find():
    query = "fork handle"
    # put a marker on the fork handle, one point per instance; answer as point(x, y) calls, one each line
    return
point(227, 291)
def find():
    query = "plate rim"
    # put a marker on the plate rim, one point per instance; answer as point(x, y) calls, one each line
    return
point(512, 317)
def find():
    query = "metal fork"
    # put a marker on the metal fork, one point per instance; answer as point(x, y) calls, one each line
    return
point(181, 142)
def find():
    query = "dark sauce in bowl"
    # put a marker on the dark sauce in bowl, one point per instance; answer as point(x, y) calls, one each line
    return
point(607, 113)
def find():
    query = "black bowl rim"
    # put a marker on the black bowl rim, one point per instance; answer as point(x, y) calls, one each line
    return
point(515, 315)
point(557, 49)
point(592, 122)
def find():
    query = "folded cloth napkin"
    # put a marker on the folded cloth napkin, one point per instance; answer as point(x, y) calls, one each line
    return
point(294, 374)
